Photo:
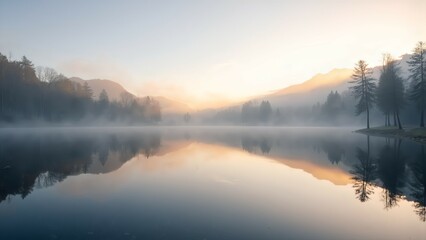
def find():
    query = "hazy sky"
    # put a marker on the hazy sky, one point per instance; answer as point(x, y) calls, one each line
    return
point(205, 52)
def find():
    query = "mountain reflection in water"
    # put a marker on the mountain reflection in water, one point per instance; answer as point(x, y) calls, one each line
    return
point(391, 169)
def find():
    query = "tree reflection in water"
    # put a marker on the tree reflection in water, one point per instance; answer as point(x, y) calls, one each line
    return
point(364, 173)
point(30, 161)
point(391, 172)
point(418, 183)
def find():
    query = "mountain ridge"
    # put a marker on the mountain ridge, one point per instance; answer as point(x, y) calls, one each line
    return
point(334, 77)
point(114, 91)
point(306, 93)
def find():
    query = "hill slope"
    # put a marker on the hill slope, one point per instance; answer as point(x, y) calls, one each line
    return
point(311, 91)
point(319, 86)
point(114, 90)
point(328, 80)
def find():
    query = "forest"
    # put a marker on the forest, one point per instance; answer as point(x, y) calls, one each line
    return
point(40, 95)
point(390, 94)
point(390, 100)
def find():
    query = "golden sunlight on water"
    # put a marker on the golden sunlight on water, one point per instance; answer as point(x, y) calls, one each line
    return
point(223, 182)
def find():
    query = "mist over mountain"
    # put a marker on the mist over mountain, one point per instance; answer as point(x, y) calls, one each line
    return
point(304, 94)
point(115, 90)
point(324, 99)
point(319, 86)
point(316, 88)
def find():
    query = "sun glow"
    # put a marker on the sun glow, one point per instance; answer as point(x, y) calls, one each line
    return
point(209, 54)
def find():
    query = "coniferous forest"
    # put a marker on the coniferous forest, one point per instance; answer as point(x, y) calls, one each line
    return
point(212, 119)
point(30, 95)
point(392, 92)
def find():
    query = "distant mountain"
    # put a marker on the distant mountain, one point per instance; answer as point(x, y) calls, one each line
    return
point(328, 80)
point(306, 93)
point(114, 90)
point(319, 86)
point(311, 91)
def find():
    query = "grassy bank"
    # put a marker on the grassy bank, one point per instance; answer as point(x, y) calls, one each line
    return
point(416, 134)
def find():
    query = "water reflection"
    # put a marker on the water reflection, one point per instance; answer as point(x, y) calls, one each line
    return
point(251, 144)
point(334, 149)
point(389, 172)
point(364, 173)
point(418, 183)
point(396, 168)
point(42, 159)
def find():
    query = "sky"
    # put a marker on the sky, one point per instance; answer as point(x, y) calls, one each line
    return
point(207, 53)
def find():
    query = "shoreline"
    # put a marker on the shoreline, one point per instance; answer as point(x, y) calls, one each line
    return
point(415, 134)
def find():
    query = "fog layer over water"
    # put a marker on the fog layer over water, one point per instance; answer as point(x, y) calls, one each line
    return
point(209, 183)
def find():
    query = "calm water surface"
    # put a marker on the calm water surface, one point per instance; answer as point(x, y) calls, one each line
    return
point(210, 183)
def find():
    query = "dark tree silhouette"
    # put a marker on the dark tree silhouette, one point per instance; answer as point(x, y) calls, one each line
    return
point(254, 113)
point(87, 91)
point(334, 149)
point(418, 183)
point(390, 93)
point(103, 97)
point(252, 144)
point(364, 89)
point(391, 172)
point(384, 98)
point(332, 107)
point(249, 112)
point(27, 94)
point(186, 117)
point(265, 146)
point(364, 173)
point(3, 64)
point(417, 65)
point(265, 111)
point(46, 74)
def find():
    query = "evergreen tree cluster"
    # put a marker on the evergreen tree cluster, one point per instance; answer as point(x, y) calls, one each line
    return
point(28, 94)
point(252, 112)
point(390, 94)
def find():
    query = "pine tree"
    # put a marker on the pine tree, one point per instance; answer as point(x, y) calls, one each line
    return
point(87, 91)
point(103, 97)
point(390, 92)
point(384, 88)
point(364, 89)
point(417, 69)
point(265, 111)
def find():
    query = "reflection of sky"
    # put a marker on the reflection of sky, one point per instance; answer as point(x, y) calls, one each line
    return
point(206, 191)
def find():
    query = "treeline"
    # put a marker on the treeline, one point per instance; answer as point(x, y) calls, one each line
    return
point(390, 100)
point(29, 94)
point(390, 94)
point(336, 109)
point(250, 113)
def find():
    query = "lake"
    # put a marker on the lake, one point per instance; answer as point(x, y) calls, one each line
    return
point(210, 183)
